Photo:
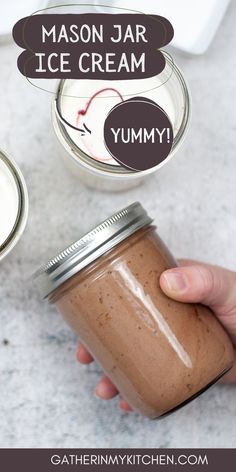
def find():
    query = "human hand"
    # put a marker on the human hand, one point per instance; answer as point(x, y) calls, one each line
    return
point(190, 282)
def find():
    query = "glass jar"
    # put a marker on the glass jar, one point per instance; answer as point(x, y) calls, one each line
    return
point(13, 204)
point(87, 156)
point(159, 353)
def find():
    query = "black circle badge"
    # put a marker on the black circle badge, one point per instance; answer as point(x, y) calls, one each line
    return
point(138, 134)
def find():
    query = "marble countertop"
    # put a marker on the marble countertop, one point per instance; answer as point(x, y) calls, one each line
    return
point(46, 398)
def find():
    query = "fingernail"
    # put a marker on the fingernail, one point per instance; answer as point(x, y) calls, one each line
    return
point(175, 282)
point(98, 391)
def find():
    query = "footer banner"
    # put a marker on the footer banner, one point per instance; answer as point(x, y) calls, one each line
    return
point(63, 460)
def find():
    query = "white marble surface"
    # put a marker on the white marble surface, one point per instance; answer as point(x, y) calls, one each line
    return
point(46, 398)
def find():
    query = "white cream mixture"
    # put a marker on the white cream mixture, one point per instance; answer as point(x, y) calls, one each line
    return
point(9, 201)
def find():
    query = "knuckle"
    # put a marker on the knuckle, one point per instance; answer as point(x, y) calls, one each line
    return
point(211, 283)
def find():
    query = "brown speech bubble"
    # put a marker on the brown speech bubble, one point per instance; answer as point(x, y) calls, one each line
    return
point(92, 45)
point(138, 134)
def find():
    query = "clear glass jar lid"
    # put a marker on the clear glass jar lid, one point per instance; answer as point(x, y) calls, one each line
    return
point(90, 247)
point(13, 204)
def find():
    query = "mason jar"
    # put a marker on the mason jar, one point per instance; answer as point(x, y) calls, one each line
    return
point(86, 154)
point(159, 353)
point(13, 204)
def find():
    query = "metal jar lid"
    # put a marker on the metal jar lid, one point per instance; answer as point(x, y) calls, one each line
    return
point(90, 247)
point(22, 204)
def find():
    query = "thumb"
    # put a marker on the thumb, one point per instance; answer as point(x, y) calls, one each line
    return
point(207, 284)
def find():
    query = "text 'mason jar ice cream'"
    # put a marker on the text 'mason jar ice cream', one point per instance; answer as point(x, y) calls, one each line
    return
point(86, 104)
point(159, 353)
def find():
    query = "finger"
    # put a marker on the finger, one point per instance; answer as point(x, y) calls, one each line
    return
point(83, 355)
point(105, 389)
point(189, 262)
point(211, 285)
point(207, 284)
point(125, 406)
point(193, 262)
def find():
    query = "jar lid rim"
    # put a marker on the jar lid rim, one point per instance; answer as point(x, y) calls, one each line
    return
point(90, 247)
point(22, 202)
